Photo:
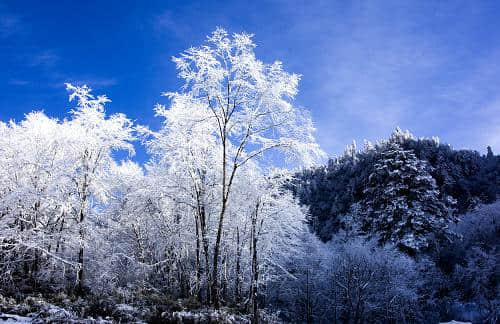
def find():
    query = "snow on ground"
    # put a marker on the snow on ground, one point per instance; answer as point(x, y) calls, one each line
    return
point(9, 318)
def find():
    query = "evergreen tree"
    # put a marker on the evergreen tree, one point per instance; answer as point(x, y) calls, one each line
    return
point(402, 203)
point(490, 154)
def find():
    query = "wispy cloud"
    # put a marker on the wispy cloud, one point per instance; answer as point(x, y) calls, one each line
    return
point(167, 22)
point(92, 81)
point(365, 69)
point(18, 82)
point(46, 58)
point(371, 66)
point(97, 82)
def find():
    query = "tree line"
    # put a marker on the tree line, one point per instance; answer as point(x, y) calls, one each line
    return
point(205, 219)
point(418, 170)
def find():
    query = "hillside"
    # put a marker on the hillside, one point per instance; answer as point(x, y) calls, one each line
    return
point(331, 191)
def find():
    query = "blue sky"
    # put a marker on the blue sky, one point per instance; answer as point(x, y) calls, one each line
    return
point(367, 66)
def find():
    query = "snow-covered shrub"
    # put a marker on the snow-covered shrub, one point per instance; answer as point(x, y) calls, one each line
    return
point(370, 283)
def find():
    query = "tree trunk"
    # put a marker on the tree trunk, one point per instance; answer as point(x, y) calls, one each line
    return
point(237, 286)
point(198, 266)
point(60, 235)
point(204, 239)
point(215, 269)
point(79, 274)
point(224, 276)
point(255, 270)
point(84, 196)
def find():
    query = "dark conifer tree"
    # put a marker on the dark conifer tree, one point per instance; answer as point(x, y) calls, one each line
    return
point(402, 203)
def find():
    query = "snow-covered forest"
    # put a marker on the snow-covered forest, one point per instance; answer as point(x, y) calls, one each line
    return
point(233, 218)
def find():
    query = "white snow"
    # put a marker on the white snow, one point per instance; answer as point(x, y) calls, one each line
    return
point(9, 318)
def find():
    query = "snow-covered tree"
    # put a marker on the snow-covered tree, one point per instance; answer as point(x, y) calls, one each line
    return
point(92, 137)
point(402, 203)
point(366, 282)
point(276, 226)
point(246, 105)
point(33, 198)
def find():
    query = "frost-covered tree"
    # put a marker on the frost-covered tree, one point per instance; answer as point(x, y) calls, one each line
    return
point(184, 175)
point(470, 268)
point(33, 156)
point(402, 203)
point(54, 174)
point(246, 105)
point(276, 229)
point(265, 219)
point(368, 283)
point(92, 137)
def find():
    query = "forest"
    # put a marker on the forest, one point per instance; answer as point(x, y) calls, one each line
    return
point(233, 218)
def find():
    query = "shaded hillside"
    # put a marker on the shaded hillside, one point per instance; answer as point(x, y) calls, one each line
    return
point(332, 191)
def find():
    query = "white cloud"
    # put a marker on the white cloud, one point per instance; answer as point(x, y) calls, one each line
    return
point(370, 67)
point(99, 82)
point(92, 82)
